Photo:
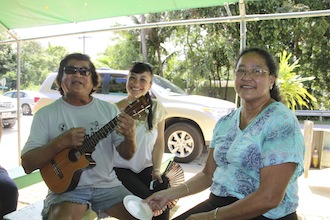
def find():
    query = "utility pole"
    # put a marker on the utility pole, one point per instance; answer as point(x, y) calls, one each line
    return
point(84, 42)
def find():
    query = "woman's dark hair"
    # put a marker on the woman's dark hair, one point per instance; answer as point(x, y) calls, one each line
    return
point(80, 57)
point(270, 62)
point(138, 68)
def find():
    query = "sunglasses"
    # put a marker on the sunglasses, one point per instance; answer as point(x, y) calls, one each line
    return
point(70, 70)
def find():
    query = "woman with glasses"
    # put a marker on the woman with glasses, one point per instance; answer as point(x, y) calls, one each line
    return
point(137, 173)
point(256, 154)
point(72, 143)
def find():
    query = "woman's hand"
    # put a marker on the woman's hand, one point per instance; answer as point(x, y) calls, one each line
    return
point(156, 175)
point(158, 201)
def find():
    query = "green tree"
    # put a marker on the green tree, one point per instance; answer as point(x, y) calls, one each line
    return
point(123, 53)
point(298, 37)
point(36, 63)
point(291, 85)
point(203, 55)
point(8, 61)
point(154, 38)
point(54, 55)
point(33, 64)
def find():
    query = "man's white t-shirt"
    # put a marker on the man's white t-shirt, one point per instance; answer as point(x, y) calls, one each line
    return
point(58, 117)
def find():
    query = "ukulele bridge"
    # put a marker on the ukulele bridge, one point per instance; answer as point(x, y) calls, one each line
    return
point(56, 169)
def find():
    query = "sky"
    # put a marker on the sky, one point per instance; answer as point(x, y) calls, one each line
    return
point(89, 43)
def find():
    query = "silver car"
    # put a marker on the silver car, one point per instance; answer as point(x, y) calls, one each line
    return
point(190, 118)
point(27, 99)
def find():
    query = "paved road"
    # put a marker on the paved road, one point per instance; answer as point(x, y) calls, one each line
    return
point(9, 147)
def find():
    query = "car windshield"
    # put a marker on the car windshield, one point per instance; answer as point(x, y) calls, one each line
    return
point(167, 87)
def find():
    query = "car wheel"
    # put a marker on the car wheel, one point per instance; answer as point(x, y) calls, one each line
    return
point(26, 109)
point(9, 125)
point(183, 140)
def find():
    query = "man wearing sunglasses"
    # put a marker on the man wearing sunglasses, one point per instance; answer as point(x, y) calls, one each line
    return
point(64, 126)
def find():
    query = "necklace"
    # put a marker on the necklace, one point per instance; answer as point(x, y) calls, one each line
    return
point(247, 116)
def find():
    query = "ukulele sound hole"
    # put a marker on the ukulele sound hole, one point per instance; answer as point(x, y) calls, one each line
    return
point(74, 155)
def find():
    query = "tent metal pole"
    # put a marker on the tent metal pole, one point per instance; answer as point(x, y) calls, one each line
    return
point(242, 25)
point(18, 85)
point(238, 101)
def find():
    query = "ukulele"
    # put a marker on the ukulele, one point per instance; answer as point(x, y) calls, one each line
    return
point(63, 172)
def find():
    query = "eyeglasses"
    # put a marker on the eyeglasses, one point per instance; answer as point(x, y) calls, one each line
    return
point(70, 70)
point(257, 72)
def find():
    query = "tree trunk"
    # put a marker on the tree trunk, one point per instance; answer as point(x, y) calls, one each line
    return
point(143, 40)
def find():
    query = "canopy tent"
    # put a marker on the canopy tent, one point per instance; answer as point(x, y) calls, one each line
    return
point(17, 14)
point(27, 13)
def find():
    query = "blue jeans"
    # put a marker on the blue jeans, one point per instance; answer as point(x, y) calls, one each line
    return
point(98, 199)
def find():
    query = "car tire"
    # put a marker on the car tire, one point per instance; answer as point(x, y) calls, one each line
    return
point(183, 140)
point(26, 109)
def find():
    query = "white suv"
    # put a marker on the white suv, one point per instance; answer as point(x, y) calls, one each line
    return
point(190, 118)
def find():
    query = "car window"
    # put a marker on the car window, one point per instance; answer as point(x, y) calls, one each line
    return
point(108, 84)
point(101, 89)
point(167, 87)
point(8, 94)
point(117, 84)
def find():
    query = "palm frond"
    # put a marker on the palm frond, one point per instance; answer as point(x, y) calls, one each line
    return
point(291, 84)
